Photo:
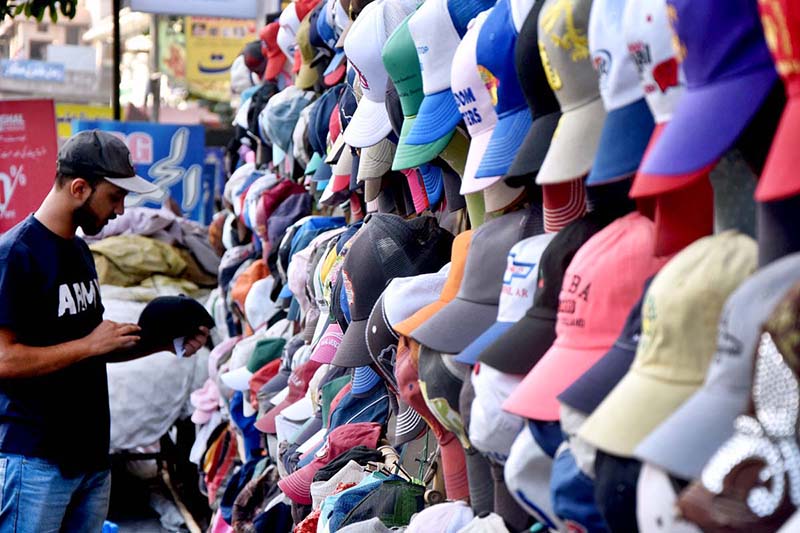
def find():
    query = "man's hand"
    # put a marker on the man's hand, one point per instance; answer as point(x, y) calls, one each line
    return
point(111, 336)
point(193, 344)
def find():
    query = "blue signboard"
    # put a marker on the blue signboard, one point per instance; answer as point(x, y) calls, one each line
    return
point(23, 69)
point(172, 157)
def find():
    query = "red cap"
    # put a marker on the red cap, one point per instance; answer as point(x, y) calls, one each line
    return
point(780, 179)
point(683, 216)
point(269, 202)
point(652, 184)
point(304, 7)
point(275, 57)
point(297, 486)
point(601, 284)
point(335, 124)
point(262, 375)
point(298, 385)
point(336, 76)
point(563, 203)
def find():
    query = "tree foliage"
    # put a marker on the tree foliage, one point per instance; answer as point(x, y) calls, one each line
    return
point(38, 8)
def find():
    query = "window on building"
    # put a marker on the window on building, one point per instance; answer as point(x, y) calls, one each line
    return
point(74, 34)
point(38, 50)
point(41, 27)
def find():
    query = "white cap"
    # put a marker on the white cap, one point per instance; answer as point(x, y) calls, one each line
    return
point(436, 39)
point(240, 119)
point(287, 33)
point(649, 41)
point(258, 306)
point(285, 429)
point(313, 441)
point(405, 296)
point(352, 472)
point(299, 411)
point(475, 105)
point(656, 504)
point(491, 429)
point(519, 12)
point(619, 80)
point(363, 45)
point(520, 277)
point(238, 376)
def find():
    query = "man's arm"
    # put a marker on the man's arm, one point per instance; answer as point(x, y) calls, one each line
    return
point(18, 360)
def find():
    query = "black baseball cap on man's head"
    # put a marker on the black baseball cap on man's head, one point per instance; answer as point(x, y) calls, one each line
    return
point(99, 154)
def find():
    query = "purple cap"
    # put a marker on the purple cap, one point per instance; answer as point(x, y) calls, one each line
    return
point(729, 73)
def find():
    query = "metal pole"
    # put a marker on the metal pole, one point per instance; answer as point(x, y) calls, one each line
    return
point(117, 53)
point(155, 62)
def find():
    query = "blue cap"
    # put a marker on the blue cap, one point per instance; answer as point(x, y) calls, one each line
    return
point(463, 11)
point(336, 62)
point(626, 133)
point(252, 437)
point(495, 58)
point(323, 173)
point(364, 380)
point(434, 182)
point(438, 116)
point(572, 492)
point(325, 31)
point(472, 352)
point(320, 118)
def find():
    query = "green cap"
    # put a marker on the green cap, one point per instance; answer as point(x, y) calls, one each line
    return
point(313, 164)
point(476, 209)
point(402, 64)
point(328, 393)
point(265, 352)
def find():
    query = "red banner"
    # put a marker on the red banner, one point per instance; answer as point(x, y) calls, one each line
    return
point(28, 151)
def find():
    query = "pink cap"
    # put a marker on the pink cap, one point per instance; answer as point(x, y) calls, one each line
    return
point(328, 344)
point(297, 486)
point(417, 187)
point(601, 285)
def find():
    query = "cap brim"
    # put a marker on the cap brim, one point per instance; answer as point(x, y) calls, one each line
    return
point(707, 121)
point(645, 185)
point(471, 353)
point(407, 326)
point(636, 406)
point(337, 63)
point(376, 160)
point(574, 144)
point(477, 148)
point(297, 486)
point(238, 379)
point(306, 77)
point(413, 155)
point(438, 116)
point(683, 452)
point(299, 411)
point(522, 346)
point(134, 184)
point(508, 135)
point(500, 195)
point(595, 384)
point(275, 64)
point(536, 397)
point(779, 178)
point(409, 425)
point(364, 381)
point(336, 76)
point(533, 150)
point(623, 141)
point(455, 326)
point(353, 351)
point(336, 150)
point(370, 124)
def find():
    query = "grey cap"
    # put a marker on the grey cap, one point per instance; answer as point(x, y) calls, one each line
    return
point(100, 154)
point(474, 309)
point(564, 45)
point(684, 443)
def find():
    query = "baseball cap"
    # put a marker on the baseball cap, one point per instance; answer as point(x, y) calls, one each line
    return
point(534, 333)
point(569, 72)
point(475, 105)
point(593, 386)
point(729, 72)
point(600, 285)
point(474, 309)
point(100, 154)
point(656, 500)
point(440, 382)
point(726, 391)
point(297, 387)
point(494, 51)
point(169, 317)
point(387, 247)
point(629, 123)
point(488, 523)
point(516, 295)
point(446, 517)
point(542, 103)
point(363, 47)
point(409, 423)
point(436, 40)
point(527, 476)
point(563, 203)
point(297, 486)
point(289, 23)
point(400, 59)
point(281, 114)
point(308, 75)
point(492, 430)
point(501, 196)
point(679, 316)
point(376, 160)
point(264, 352)
point(275, 57)
point(458, 259)
point(328, 344)
point(364, 381)
point(780, 20)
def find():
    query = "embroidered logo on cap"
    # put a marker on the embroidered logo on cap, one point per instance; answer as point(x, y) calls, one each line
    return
point(490, 81)
point(778, 37)
point(572, 39)
point(677, 44)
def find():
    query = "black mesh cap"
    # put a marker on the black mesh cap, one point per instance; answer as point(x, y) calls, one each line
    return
point(387, 247)
point(526, 342)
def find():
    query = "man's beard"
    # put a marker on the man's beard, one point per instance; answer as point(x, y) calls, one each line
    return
point(85, 218)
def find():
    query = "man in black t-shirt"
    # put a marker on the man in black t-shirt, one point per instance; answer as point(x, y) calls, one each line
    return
point(54, 345)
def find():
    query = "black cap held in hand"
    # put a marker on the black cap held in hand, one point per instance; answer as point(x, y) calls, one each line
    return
point(171, 317)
